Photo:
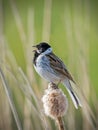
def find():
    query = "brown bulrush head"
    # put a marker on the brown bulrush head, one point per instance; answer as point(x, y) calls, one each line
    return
point(55, 102)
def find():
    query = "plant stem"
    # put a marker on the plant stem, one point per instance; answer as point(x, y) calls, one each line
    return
point(60, 123)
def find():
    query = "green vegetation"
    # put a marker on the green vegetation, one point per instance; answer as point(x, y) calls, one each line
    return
point(71, 29)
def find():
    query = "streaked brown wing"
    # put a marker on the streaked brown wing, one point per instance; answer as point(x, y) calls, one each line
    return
point(59, 66)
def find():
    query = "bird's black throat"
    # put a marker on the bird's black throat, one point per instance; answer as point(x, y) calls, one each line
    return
point(35, 57)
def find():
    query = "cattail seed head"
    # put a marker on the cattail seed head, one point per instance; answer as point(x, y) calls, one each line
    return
point(54, 101)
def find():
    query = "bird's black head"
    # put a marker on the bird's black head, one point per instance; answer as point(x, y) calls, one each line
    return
point(42, 47)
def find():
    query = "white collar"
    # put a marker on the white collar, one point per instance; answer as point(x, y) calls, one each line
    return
point(49, 50)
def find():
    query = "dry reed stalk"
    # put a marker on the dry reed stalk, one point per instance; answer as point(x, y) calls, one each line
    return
point(18, 21)
point(55, 104)
point(82, 43)
point(47, 20)
point(10, 99)
point(81, 32)
point(60, 123)
point(71, 48)
point(4, 105)
point(30, 73)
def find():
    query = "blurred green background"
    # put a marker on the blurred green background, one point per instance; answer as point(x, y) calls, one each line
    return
point(71, 27)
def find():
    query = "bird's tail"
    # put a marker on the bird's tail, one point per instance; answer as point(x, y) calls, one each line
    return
point(72, 94)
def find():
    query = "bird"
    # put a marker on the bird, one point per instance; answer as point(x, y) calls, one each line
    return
point(51, 67)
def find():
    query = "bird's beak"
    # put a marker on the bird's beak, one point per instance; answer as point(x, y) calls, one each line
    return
point(34, 47)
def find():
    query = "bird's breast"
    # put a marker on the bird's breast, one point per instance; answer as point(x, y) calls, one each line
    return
point(42, 61)
point(42, 65)
point(44, 70)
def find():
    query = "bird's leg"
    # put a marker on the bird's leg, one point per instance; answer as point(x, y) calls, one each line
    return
point(52, 85)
